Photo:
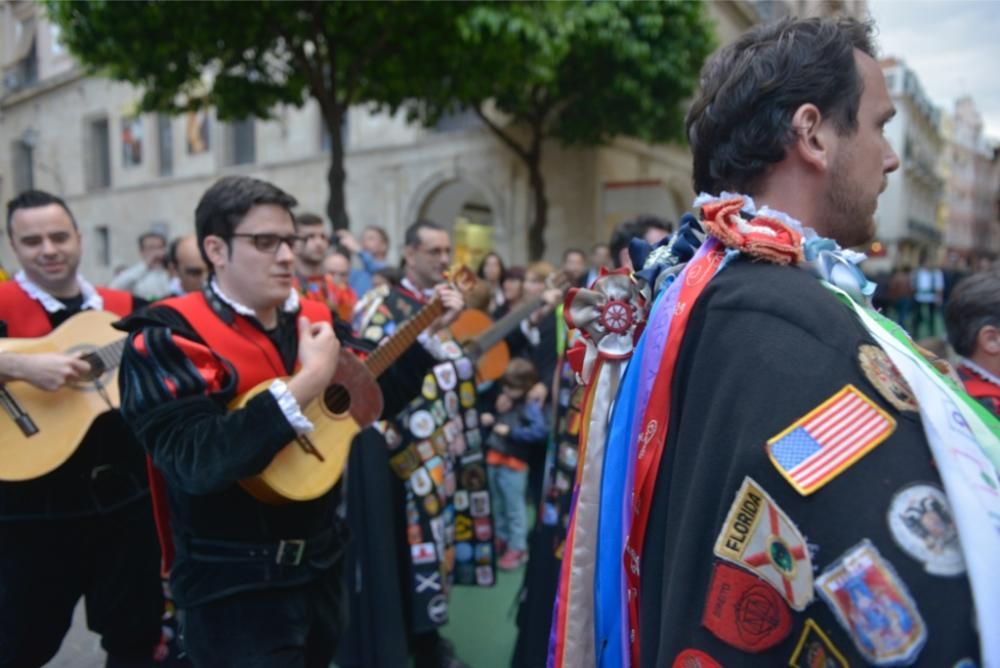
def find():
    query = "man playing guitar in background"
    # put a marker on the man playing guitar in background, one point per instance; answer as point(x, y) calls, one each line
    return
point(84, 529)
point(258, 584)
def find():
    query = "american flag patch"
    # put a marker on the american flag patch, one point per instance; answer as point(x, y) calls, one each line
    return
point(831, 437)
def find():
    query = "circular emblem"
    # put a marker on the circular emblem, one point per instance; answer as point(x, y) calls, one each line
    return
point(780, 556)
point(463, 551)
point(422, 424)
point(921, 523)
point(474, 478)
point(885, 377)
point(432, 505)
point(616, 316)
point(373, 333)
point(437, 609)
point(467, 394)
point(757, 614)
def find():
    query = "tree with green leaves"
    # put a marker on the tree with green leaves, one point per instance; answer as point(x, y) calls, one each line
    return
point(578, 72)
point(247, 58)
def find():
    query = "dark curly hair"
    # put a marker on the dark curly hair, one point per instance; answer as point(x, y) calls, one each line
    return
point(741, 122)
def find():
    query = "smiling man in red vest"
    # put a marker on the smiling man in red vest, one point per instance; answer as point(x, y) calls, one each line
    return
point(258, 584)
point(84, 529)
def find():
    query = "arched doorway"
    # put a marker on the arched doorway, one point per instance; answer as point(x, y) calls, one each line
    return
point(454, 201)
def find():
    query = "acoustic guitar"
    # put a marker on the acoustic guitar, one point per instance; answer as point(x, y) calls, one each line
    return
point(39, 430)
point(483, 340)
point(311, 465)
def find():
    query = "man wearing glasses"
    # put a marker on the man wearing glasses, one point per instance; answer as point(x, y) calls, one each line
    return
point(258, 585)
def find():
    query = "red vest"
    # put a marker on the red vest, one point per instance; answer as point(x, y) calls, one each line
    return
point(242, 344)
point(26, 318)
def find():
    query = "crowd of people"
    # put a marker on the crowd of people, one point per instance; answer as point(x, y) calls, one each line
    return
point(780, 480)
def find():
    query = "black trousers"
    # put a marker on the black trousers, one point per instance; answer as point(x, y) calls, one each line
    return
point(293, 627)
point(112, 560)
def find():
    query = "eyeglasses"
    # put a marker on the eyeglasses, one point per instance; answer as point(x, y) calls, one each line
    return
point(268, 242)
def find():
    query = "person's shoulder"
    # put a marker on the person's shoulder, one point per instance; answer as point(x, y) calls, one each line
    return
point(746, 284)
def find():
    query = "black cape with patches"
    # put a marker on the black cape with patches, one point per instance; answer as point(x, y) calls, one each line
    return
point(764, 346)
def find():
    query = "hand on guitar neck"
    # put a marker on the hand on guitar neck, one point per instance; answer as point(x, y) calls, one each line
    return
point(453, 301)
point(319, 349)
point(46, 371)
point(551, 298)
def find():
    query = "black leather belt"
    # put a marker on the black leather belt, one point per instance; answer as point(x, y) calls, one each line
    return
point(285, 552)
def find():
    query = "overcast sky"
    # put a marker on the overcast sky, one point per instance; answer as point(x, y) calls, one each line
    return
point(952, 45)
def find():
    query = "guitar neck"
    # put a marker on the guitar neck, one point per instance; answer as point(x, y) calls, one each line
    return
point(504, 326)
point(108, 356)
point(393, 348)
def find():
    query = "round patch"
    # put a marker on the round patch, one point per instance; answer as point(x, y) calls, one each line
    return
point(885, 377)
point(464, 367)
point(437, 609)
point(432, 505)
point(921, 523)
point(474, 478)
point(430, 388)
point(378, 319)
point(373, 333)
point(463, 551)
point(422, 424)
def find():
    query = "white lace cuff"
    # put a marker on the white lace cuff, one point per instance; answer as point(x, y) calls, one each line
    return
point(290, 407)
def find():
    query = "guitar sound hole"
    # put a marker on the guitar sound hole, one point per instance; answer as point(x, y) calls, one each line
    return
point(97, 368)
point(337, 399)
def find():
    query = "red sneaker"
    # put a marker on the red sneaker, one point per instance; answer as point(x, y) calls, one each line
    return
point(512, 560)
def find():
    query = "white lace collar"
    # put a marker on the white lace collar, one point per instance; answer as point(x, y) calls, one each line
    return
point(92, 300)
point(290, 306)
point(980, 371)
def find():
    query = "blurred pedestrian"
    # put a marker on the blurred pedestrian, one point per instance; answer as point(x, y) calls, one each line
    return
point(187, 267)
point(148, 278)
point(973, 322)
point(372, 251)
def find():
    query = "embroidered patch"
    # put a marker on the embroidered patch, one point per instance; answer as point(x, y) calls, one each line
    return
point(461, 500)
point(420, 482)
point(439, 412)
point(423, 553)
point(437, 609)
point(446, 376)
point(451, 402)
point(425, 450)
point(484, 576)
point(921, 523)
point(814, 650)
point(405, 463)
point(817, 447)
point(873, 605)
point(744, 611)
point(422, 424)
point(432, 505)
point(463, 528)
point(480, 504)
point(467, 394)
point(695, 658)
point(484, 553)
point(759, 536)
point(463, 551)
point(471, 418)
point(414, 534)
point(483, 528)
point(474, 478)
point(464, 368)
point(885, 377)
point(429, 388)
point(451, 349)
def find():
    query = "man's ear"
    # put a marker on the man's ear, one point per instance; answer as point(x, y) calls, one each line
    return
point(217, 250)
point(988, 340)
point(814, 137)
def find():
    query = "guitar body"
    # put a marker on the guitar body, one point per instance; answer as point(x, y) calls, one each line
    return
point(309, 467)
point(61, 418)
point(491, 363)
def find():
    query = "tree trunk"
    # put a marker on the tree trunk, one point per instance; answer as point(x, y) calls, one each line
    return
point(336, 175)
point(536, 231)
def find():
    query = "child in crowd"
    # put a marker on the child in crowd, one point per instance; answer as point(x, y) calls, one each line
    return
point(518, 425)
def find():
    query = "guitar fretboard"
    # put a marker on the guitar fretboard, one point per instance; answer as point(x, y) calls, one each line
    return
point(110, 355)
point(383, 356)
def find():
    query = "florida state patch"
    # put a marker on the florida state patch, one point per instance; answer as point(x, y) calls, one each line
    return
point(744, 611)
